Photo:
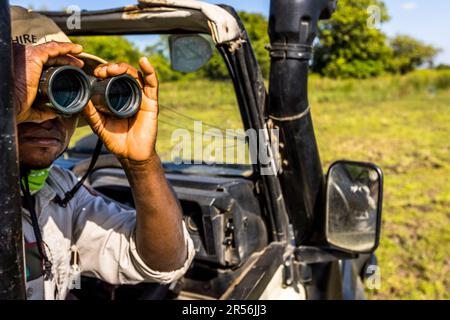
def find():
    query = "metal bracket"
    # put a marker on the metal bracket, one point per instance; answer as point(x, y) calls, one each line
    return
point(296, 272)
point(275, 145)
point(288, 272)
point(309, 255)
point(290, 51)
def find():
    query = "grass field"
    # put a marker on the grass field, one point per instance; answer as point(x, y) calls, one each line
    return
point(403, 125)
point(400, 123)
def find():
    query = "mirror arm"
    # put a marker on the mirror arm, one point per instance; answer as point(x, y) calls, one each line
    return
point(307, 255)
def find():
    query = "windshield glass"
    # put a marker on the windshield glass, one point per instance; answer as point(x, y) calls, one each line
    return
point(199, 119)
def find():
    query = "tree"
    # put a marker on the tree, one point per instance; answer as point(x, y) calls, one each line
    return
point(256, 26)
point(158, 54)
point(443, 66)
point(117, 48)
point(120, 49)
point(257, 29)
point(349, 46)
point(216, 68)
point(110, 48)
point(410, 53)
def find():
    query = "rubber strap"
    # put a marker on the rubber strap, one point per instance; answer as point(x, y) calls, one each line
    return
point(70, 194)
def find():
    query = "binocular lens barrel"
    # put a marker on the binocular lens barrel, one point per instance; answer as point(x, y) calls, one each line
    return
point(68, 89)
point(122, 95)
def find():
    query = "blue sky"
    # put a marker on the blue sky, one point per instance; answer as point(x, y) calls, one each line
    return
point(428, 20)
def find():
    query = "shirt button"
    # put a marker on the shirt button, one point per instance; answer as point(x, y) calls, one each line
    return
point(29, 292)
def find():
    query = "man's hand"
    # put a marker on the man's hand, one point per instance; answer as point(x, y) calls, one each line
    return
point(159, 233)
point(130, 139)
point(29, 62)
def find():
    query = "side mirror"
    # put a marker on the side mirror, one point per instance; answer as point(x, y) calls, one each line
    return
point(188, 53)
point(353, 206)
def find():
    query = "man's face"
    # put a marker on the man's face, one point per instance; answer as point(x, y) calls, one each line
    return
point(41, 143)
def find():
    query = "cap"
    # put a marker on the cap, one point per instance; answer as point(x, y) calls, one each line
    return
point(32, 28)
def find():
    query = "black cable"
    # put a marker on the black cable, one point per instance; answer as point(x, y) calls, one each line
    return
point(62, 202)
point(35, 224)
point(70, 194)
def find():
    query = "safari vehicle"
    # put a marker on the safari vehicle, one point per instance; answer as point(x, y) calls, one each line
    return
point(274, 230)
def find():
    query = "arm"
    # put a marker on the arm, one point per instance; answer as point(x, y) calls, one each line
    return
point(104, 235)
point(159, 231)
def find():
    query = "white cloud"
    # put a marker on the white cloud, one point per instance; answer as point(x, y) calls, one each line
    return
point(408, 5)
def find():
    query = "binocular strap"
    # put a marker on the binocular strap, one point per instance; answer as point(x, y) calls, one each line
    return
point(70, 194)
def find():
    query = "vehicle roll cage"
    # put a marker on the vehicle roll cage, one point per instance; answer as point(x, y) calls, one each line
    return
point(12, 284)
point(286, 203)
point(154, 17)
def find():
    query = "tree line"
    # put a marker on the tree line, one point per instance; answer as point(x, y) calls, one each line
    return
point(348, 46)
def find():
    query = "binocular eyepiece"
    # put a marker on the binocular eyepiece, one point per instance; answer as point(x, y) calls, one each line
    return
point(67, 90)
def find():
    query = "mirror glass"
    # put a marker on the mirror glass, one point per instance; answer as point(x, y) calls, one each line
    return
point(353, 206)
point(189, 53)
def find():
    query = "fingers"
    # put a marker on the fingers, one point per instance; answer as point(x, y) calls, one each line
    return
point(42, 53)
point(94, 118)
point(108, 70)
point(150, 79)
point(65, 60)
point(55, 49)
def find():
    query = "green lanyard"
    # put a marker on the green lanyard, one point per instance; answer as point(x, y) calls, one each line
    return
point(36, 179)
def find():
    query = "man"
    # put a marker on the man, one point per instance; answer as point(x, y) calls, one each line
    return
point(99, 239)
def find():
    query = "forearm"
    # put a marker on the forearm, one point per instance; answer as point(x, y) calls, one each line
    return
point(159, 231)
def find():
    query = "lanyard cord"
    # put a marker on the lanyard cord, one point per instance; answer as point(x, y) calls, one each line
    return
point(70, 194)
point(25, 187)
point(37, 231)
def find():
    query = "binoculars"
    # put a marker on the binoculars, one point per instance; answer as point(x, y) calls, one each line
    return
point(67, 90)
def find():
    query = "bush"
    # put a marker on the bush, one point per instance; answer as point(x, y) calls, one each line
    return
point(348, 47)
point(387, 87)
point(410, 53)
point(110, 48)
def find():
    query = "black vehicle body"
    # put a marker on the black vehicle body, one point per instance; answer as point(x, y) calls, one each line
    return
point(247, 227)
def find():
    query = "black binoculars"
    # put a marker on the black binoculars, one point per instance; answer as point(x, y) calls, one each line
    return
point(67, 90)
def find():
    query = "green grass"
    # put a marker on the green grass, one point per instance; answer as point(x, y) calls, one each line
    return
point(401, 123)
point(406, 132)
